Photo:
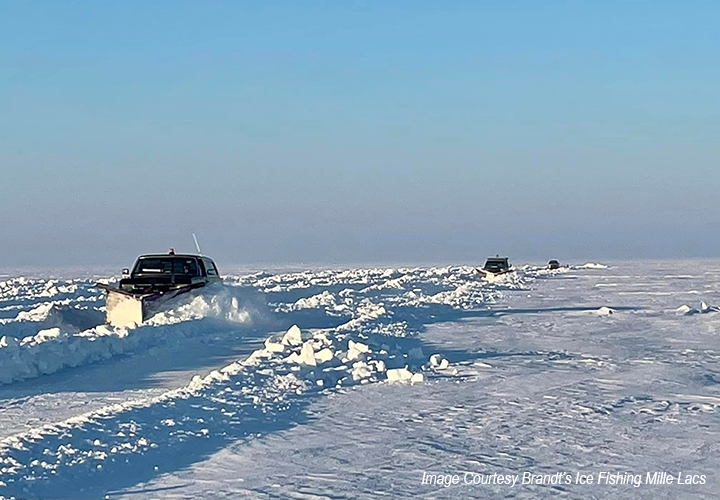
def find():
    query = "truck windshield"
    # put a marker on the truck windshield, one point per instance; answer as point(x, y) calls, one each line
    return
point(167, 266)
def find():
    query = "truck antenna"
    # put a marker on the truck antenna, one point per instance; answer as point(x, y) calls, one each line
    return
point(197, 245)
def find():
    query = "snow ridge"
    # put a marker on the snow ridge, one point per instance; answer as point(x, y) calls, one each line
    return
point(266, 384)
point(383, 311)
point(60, 344)
point(45, 337)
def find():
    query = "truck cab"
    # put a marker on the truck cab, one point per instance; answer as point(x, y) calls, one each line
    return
point(496, 265)
point(155, 273)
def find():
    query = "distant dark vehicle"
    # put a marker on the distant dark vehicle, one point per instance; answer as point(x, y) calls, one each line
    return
point(154, 278)
point(553, 264)
point(495, 266)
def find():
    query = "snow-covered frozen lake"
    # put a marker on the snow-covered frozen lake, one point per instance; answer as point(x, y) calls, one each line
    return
point(393, 375)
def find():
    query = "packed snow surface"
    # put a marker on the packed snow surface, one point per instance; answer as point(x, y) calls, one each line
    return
point(356, 383)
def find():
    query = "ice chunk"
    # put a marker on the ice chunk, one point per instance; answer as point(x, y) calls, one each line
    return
point(685, 310)
point(361, 370)
point(705, 308)
point(322, 338)
point(355, 349)
point(292, 336)
point(44, 335)
point(39, 313)
point(306, 356)
point(417, 377)
point(399, 375)
point(605, 311)
point(438, 362)
point(325, 298)
point(274, 346)
point(104, 330)
point(323, 356)
point(379, 365)
point(593, 265)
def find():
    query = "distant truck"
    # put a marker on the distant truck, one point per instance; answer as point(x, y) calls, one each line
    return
point(154, 279)
point(553, 264)
point(495, 266)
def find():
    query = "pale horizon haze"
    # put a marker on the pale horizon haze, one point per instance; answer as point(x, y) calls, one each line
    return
point(340, 132)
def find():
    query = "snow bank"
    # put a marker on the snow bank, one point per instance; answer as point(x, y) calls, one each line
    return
point(55, 327)
point(24, 292)
point(242, 394)
point(686, 310)
point(57, 343)
point(325, 300)
point(601, 311)
point(216, 301)
point(593, 265)
point(52, 314)
point(605, 311)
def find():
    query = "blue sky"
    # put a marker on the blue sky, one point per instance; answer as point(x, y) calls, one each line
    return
point(340, 132)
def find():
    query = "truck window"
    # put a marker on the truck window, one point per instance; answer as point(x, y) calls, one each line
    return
point(167, 266)
point(210, 268)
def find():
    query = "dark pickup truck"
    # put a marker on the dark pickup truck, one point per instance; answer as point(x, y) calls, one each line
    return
point(165, 272)
point(154, 279)
point(495, 266)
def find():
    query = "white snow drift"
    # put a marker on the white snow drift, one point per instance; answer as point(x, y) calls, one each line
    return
point(59, 344)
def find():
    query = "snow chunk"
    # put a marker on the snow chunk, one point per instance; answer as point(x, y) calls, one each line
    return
point(379, 365)
point(356, 349)
point(39, 313)
point(274, 346)
point(685, 310)
point(293, 336)
point(214, 301)
point(593, 265)
point(438, 362)
point(399, 375)
point(705, 308)
point(605, 311)
point(48, 334)
point(323, 356)
point(361, 370)
point(306, 356)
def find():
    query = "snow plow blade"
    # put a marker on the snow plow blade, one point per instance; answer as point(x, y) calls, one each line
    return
point(489, 275)
point(124, 308)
